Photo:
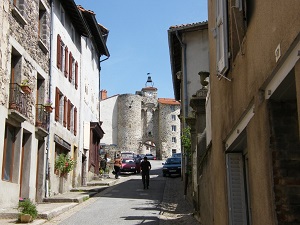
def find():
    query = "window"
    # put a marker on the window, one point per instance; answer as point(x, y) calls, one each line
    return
point(76, 75)
point(70, 67)
point(59, 52)
point(65, 111)
point(66, 62)
point(173, 117)
point(19, 10)
point(75, 121)
point(62, 15)
point(172, 107)
point(58, 99)
point(69, 115)
point(173, 150)
point(236, 189)
point(174, 140)
point(42, 29)
point(238, 26)
point(173, 127)
point(221, 37)
point(72, 33)
point(8, 153)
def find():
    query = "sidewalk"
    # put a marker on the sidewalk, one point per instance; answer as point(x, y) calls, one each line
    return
point(58, 204)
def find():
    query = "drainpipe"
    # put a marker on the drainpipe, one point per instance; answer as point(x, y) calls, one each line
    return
point(47, 169)
point(100, 82)
point(185, 106)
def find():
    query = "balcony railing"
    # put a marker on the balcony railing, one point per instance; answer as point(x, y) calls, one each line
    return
point(18, 99)
point(42, 117)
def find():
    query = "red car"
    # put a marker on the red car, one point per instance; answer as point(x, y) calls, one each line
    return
point(130, 165)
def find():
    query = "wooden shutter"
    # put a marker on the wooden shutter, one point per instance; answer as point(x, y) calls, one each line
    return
point(236, 189)
point(76, 75)
point(57, 96)
point(75, 121)
point(66, 62)
point(70, 66)
point(65, 111)
point(58, 52)
point(69, 115)
point(222, 37)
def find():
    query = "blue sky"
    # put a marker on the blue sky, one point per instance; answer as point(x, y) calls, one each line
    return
point(138, 40)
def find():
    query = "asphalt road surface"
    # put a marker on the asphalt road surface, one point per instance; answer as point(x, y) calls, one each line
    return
point(125, 203)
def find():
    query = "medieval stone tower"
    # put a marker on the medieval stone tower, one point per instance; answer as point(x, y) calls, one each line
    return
point(145, 123)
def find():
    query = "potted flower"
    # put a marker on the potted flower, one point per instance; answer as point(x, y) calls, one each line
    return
point(48, 106)
point(63, 165)
point(25, 86)
point(28, 211)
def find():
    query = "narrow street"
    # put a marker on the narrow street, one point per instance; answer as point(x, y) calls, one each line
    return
point(128, 203)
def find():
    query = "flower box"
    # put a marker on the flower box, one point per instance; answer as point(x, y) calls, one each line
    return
point(26, 89)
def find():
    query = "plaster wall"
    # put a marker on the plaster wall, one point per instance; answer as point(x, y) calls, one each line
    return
point(89, 84)
point(249, 73)
point(68, 89)
point(109, 117)
point(197, 59)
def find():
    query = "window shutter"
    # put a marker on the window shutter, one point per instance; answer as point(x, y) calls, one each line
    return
point(66, 61)
point(75, 121)
point(236, 189)
point(70, 66)
point(222, 35)
point(57, 104)
point(69, 115)
point(76, 75)
point(58, 52)
point(65, 111)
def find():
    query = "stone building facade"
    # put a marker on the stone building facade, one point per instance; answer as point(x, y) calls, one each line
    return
point(32, 84)
point(145, 123)
point(24, 74)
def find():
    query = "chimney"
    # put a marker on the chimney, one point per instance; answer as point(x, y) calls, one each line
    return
point(103, 94)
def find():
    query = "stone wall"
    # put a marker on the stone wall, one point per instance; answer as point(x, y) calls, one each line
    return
point(285, 146)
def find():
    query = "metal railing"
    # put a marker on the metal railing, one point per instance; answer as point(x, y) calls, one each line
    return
point(18, 99)
point(41, 117)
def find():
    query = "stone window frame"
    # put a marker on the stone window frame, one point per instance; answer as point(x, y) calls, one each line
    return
point(174, 140)
point(173, 128)
point(19, 11)
point(43, 29)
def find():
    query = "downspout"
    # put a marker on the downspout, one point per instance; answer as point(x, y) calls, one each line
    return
point(100, 82)
point(185, 107)
point(47, 177)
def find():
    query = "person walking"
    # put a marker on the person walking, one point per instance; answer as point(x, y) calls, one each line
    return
point(145, 168)
point(117, 166)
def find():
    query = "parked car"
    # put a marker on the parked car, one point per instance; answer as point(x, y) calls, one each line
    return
point(130, 165)
point(176, 155)
point(150, 157)
point(172, 166)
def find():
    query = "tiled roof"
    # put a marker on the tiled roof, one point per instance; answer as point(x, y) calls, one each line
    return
point(98, 31)
point(149, 88)
point(189, 25)
point(168, 101)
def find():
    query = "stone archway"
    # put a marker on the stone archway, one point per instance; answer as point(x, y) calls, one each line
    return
point(149, 145)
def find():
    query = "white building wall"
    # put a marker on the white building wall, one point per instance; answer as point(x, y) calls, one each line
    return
point(68, 90)
point(197, 54)
point(109, 117)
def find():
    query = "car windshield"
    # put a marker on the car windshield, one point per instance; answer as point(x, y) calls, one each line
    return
point(173, 161)
point(128, 161)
